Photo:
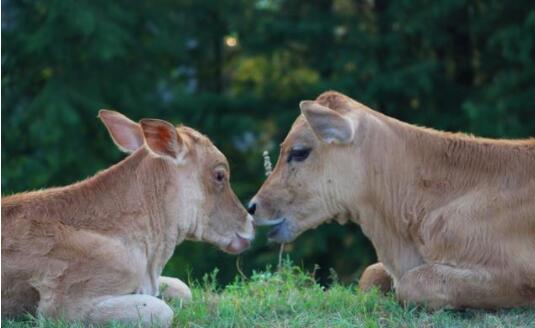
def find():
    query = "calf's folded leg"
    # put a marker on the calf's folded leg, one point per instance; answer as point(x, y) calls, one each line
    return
point(172, 288)
point(375, 276)
point(442, 286)
point(146, 310)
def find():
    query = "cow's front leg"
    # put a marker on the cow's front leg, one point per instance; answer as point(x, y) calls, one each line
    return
point(442, 286)
point(172, 288)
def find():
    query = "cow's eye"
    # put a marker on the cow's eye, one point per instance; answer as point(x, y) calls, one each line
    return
point(298, 154)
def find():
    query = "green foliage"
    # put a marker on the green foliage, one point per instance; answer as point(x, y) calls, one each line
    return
point(450, 64)
point(291, 297)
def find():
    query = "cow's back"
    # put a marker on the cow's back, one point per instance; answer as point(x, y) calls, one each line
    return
point(485, 215)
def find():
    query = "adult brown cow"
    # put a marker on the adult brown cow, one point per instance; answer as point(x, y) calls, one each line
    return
point(451, 216)
point(94, 251)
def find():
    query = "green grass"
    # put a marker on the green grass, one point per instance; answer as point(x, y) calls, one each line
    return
point(291, 298)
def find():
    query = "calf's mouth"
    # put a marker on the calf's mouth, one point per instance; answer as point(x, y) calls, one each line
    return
point(238, 244)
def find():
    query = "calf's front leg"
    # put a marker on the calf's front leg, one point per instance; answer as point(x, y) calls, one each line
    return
point(439, 286)
point(172, 288)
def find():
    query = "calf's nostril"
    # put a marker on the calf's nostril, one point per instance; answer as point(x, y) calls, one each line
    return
point(252, 208)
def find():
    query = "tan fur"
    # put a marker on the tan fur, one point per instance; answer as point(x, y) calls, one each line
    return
point(94, 251)
point(451, 216)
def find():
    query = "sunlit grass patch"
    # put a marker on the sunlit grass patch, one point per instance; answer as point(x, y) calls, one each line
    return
point(290, 297)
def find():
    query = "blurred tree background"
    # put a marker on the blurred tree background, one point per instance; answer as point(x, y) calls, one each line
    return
point(236, 71)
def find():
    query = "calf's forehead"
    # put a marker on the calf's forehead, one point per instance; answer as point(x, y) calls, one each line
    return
point(201, 144)
point(215, 156)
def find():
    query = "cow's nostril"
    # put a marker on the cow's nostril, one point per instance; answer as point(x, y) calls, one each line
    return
point(252, 208)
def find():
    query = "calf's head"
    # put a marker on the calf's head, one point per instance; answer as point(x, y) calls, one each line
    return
point(310, 183)
point(193, 188)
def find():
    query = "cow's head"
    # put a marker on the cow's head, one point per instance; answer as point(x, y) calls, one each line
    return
point(309, 183)
point(195, 190)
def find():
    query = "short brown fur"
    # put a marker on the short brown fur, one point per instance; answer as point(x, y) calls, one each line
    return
point(94, 251)
point(451, 216)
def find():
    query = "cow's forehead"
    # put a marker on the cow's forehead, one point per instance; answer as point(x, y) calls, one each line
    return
point(300, 132)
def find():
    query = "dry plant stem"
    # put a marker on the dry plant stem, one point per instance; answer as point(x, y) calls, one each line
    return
point(238, 267)
point(268, 169)
point(281, 251)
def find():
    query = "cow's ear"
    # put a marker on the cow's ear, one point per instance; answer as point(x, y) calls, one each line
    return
point(328, 125)
point(126, 134)
point(163, 140)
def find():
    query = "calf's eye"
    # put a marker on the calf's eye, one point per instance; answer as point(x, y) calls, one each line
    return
point(299, 154)
point(219, 176)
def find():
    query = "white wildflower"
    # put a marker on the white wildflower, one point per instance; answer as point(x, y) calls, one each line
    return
point(267, 163)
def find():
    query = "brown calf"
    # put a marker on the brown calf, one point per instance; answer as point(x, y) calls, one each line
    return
point(94, 251)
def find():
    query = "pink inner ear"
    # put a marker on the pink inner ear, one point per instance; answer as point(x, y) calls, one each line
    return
point(126, 134)
point(161, 137)
point(165, 143)
point(128, 140)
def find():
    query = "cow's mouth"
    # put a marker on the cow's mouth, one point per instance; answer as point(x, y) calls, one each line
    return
point(281, 232)
point(276, 229)
point(273, 222)
point(280, 229)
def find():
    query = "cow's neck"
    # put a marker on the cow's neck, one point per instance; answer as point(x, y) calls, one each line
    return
point(389, 206)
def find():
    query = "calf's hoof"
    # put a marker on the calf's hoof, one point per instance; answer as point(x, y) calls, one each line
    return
point(173, 288)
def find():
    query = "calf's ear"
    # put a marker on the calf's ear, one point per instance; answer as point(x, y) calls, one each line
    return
point(163, 140)
point(328, 125)
point(125, 134)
